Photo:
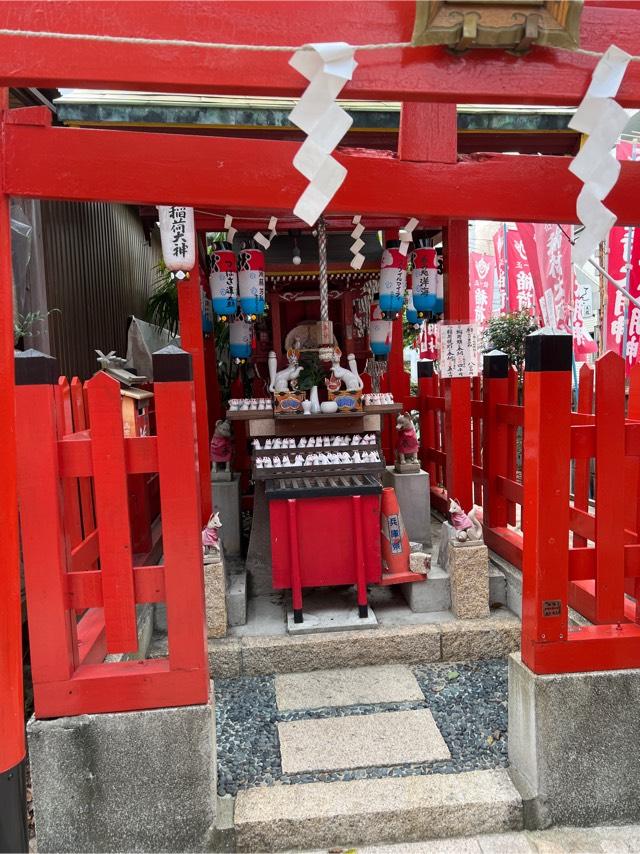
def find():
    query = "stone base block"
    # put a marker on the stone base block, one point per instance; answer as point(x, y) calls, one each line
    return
point(412, 491)
point(469, 574)
point(259, 553)
point(225, 497)
point(572, 744)
point(237, 599)
point(215, 599)
point(434, 594)
point(132, 781)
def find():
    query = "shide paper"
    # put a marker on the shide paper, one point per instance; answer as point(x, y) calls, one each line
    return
point(327, 67)
point(595, 165)
point(358, 258)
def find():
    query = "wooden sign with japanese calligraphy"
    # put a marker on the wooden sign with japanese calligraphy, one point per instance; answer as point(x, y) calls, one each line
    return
point(458, 350)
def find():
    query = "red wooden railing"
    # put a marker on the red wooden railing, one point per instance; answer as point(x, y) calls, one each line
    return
point(77, 541)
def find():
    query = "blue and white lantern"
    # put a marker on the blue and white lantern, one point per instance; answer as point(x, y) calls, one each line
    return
point(412, 314)
point(393, 281)
point(251, 268)
point(240, 338)
point(424, 279)
point(223, 282)
point(380, 331)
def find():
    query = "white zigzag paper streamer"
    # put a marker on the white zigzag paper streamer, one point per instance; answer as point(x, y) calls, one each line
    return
point(259, 237)
point(405, 235)
point(228, 227)
point(595, 165)
point(358, 258)
point(327, 67)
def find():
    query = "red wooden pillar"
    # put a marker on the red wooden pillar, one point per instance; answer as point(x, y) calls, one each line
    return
point(495, 384)
point(457, 392)
point(547, 427)
point(190, 311)
point(13, 828)
point(426, 382)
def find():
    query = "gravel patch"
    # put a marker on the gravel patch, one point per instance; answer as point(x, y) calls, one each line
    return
point(468, 702)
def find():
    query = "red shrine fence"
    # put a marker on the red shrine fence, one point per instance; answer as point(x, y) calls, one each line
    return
point(570, 477)
point(82, 580)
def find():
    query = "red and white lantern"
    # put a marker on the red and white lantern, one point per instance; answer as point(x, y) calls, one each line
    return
point(251, 267)
point(380, 331)
point(393, 281)
point(223, 282)
point(425, 280)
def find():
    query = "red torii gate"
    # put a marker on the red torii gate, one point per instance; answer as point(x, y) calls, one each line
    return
point(426, 180)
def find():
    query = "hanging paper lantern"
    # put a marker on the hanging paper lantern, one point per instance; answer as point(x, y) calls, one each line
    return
point(240, 338)
point(424, 278)
point(223, 281)
point(439, 306)
point(379, 331)
point(178, 237)
point(393, 280)
point(412, 314)
point(251, 282)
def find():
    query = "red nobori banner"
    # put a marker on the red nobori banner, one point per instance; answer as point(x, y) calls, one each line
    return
point(429, 341)
point(556, 275)
point(481, 272)
point(624, 245)
point(521, 288)
point(501, 269)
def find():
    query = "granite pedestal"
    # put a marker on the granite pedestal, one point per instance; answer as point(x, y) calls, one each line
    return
point(215, 593)
point(225, 497)
point(572, 745)
point(132, 781)
point(412, 492)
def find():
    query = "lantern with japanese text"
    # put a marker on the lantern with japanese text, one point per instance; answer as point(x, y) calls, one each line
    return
point(439, 306)
point(178, 238)
point(424, 280)
point(393, 279)
point(223, 281)
point(412, 314)
point(380, 330)
point(251, 282)
point(240, 339)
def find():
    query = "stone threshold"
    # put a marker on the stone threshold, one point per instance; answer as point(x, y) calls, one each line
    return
point(280, 818)
point(457, 640)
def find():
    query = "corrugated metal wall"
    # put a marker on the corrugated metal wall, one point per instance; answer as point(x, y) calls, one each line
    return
point(99, 269)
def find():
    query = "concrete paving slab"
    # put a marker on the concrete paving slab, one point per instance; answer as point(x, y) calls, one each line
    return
point(369, 812)
point(330, 618)
point(359, 741)
point(346, 687)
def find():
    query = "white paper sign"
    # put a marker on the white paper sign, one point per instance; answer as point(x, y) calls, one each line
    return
point(459, 355)
point(178, 237)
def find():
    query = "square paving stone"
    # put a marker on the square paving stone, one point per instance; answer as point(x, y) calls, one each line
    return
point(386, 683)
point(360, 741)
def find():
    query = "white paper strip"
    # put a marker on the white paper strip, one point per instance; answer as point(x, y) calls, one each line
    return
point(259, 237)
point(228, 227)
point(327, 67)
point(405, 235)
point(595, 165)
point(358, 258)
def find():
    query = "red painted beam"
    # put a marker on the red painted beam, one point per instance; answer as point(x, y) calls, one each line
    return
point(543, 76)
point(125, 166)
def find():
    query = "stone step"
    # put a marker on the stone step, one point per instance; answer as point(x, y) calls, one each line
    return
point(449, 640)
point(435, 593)
point(365, 812)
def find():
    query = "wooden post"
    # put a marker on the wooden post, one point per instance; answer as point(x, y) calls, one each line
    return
point(190, 311)
point(426, 382)
point(495, 384)
point(610, 465)
point(457, 392)
point(181, 532)
point(547, 426)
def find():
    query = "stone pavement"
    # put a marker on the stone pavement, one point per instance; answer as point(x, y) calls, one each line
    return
point(560, 840)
